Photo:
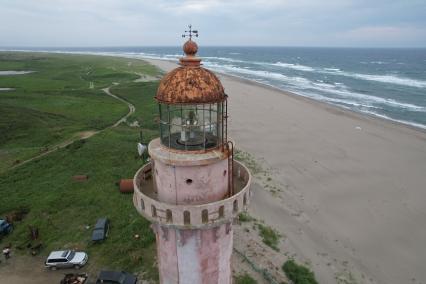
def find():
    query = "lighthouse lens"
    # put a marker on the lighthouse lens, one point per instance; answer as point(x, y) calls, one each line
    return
point(191, 127)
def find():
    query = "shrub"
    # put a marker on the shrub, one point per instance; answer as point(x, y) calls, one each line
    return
point(299, 274)
point(270, 237)
point(244, 217)
point(244, 279)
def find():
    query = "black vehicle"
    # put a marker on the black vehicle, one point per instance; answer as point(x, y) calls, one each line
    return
point(5, 227)
point(116, 277)
point(100, 232)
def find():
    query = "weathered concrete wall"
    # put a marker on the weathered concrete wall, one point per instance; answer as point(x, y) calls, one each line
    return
point(191, 184)
point(194, 256)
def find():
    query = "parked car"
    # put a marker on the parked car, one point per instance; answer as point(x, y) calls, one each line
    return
point(100, 232)
point(66, 259)
point(5, 227)
point(116, 277)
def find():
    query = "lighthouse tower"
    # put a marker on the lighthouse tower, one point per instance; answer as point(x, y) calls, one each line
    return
point(192, 189)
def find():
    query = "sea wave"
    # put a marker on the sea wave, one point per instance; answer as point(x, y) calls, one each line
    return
point(302, 84)
point(227, 59)
point(396, 120)
point(294, 66)
point(388, 79)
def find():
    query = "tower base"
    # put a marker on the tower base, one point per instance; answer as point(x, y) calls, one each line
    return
point(194, 256)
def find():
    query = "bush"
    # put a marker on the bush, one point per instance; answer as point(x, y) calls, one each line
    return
point(244, 217)
point(299, 274)
point(270, 237)
point(244, 279)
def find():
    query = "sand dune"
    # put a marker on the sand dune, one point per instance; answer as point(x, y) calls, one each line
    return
point(352, 187)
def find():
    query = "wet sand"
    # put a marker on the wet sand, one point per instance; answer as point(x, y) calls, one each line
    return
point(349, 189)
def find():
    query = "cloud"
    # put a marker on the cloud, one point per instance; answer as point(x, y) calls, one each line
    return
point(384, 34)
point(230, 22)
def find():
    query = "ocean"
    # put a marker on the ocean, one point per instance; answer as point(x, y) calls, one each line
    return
point(387, 83)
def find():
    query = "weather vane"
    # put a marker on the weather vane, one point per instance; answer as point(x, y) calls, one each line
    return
point(190, 33)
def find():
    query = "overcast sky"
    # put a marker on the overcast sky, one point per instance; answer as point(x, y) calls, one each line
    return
point(358, 23)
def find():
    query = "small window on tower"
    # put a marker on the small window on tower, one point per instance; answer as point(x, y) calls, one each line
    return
point(169, 216)
point(186, 217)
point(235, 206)
point(205, 216)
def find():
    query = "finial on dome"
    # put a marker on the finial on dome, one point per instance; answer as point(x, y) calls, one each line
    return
point(190, 33)
point(190, 48)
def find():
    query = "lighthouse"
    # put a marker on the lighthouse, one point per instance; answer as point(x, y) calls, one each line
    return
point(192, 189)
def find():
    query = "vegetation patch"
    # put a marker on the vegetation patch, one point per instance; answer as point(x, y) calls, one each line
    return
point(249, 161)
point(244, 279)
point(62, 97)
point(270, 237)
point(297, 273)
point(62, 209)
point(245, 217)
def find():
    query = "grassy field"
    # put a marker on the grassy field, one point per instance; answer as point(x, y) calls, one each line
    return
point(52, 105)
point(60, 99)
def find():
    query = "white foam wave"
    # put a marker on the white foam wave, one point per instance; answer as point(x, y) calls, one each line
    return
point(390, 79)
point(333, 69)
point(396, 120)
point(294, 66)
point(227, 59)
point(304, 84)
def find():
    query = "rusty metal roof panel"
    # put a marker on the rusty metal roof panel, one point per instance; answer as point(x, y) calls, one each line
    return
point(190, 83)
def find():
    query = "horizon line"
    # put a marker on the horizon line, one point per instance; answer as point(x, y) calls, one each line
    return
point(228, 46)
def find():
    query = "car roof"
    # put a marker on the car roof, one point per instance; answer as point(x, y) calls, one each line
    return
point(58, 254)
point(117, 275)
point(101, 222)
point(98, 235)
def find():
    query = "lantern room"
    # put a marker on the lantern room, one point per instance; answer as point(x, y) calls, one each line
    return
point(192, 106)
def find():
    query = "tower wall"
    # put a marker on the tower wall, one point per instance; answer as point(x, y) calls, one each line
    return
point(191, 184)
point(195, 256)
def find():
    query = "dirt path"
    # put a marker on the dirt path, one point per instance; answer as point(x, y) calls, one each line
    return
point(83, 134)
point(146, 78)
point(27, 270)
point(124, 118)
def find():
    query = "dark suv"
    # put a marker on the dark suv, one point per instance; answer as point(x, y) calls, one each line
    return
point(116, 277)
point(5, 227)
point(100, 232)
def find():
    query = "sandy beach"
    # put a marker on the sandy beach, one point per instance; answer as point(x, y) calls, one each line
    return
point(349, 189)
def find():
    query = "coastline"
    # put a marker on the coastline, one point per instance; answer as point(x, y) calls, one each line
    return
point(169, 64)
point(348, 188)
point(154, 61)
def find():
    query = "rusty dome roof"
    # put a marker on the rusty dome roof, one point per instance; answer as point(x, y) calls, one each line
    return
point(190, 83)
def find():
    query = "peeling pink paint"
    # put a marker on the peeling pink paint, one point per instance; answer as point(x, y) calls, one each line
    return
point(198, 251)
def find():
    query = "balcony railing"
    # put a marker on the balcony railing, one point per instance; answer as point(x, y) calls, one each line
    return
point(190, 216)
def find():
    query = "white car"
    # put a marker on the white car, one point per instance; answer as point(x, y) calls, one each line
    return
point(66, 259)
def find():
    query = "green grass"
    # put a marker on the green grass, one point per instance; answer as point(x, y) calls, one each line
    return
point(270, 237)
point(244, 279)
point(60, 207)
point(136, 93)
point(299, 274)
point(245, 217)
point(56, 102)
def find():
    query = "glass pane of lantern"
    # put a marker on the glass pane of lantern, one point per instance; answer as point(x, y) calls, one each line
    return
point(191, 127)
point(165, 133)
